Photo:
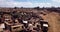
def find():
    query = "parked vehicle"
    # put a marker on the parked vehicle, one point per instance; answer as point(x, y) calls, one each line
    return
point(44, 25)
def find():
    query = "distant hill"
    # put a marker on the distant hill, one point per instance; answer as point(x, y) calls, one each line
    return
point(29, 9)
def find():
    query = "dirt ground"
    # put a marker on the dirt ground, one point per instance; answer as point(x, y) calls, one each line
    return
point(53, 20)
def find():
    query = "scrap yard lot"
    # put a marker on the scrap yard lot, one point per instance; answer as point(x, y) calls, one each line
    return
point(51, 16)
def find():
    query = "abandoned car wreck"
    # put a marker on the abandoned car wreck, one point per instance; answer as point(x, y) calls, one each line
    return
point(22, 22)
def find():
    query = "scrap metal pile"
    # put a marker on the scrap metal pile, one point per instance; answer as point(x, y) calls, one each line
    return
point(22, 22)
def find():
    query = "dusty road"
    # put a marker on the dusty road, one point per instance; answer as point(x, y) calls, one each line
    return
point(53, 20)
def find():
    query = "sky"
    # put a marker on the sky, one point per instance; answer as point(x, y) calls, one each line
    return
point(29, 3)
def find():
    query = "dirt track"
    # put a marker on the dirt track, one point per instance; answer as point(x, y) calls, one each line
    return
point(53, 22)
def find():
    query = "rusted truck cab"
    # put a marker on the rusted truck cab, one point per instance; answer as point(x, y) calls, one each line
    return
point(44, 25)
